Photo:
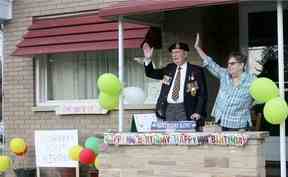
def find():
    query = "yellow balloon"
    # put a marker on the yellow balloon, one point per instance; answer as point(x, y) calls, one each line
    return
point(74, 152)
point(5, 163)
point(17, 145)
point(23, 153)
point(97, 163)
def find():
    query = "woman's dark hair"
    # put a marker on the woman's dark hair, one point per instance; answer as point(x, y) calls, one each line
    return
point(239, 57)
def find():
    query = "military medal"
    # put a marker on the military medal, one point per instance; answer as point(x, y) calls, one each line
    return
point(193, 91)
point(191, 78)
point(192, 85)
point(193, 88)
point(167, 80)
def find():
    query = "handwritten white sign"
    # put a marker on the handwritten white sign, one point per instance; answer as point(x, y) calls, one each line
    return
point(80, 108)
point(52, 147)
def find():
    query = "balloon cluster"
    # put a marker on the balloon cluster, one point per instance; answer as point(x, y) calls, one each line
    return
point(88, 154)
point(110, 88)
point(19, 147)
point(264, 90)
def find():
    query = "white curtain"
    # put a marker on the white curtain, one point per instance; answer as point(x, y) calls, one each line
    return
point(74, 76)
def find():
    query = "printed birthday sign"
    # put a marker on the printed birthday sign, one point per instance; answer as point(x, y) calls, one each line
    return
point(175, 139)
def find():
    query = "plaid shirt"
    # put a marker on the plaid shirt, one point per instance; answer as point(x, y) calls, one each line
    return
point(232, 105)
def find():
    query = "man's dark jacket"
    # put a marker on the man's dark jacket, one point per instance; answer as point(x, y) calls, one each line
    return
point(192, 103)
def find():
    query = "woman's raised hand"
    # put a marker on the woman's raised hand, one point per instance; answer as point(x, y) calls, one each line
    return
point(148, 51)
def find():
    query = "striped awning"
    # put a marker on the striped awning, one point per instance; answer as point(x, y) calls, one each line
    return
point(78, 34)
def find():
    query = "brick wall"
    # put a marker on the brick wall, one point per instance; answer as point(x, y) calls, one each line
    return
point(18, 82)
point(186, 160)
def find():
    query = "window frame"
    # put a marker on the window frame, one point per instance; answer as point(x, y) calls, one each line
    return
point(41, 87)
point(42, 96)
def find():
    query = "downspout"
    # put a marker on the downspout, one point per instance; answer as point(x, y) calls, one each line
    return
point(2, 63)
point(8, 17)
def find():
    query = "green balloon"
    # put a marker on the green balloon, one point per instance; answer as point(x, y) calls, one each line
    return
point(263, 89)
point(108, 102)
point(109, 84)
point(94, 144)
point(276, 110)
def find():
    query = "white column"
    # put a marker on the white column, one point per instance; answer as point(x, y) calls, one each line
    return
point(120, 70)
point(2, 91)
point(281, 84)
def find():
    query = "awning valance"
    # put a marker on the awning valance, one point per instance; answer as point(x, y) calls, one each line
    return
point(78, 34)
point(134, 7)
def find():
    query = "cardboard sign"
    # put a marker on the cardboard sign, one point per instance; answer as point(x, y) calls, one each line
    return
point(142, 122)
point(52, 147)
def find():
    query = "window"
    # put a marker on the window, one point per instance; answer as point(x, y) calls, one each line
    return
point(70, 77)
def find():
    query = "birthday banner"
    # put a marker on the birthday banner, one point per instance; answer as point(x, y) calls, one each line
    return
point(175, 139)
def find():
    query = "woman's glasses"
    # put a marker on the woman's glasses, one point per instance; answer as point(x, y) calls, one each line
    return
point(232, 63)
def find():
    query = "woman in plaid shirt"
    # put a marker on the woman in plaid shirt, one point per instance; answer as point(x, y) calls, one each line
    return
point(233, 101)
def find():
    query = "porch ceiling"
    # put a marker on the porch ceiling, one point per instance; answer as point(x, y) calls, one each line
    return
point(136, 7)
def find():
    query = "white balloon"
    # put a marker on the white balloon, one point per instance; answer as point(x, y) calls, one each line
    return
point(133, 95)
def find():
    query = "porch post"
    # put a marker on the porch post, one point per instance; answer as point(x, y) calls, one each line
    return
point(2, 73)
point(120, 70)
point(281, 83)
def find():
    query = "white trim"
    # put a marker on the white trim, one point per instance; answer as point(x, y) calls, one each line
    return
point(52, 108)
point(41, 97)
point(37, 75)
point(45, 94)
point(58, 102)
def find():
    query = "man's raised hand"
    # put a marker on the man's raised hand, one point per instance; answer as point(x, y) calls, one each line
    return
point(196, 45)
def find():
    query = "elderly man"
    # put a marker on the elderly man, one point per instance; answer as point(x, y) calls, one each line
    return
point(183, 93)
